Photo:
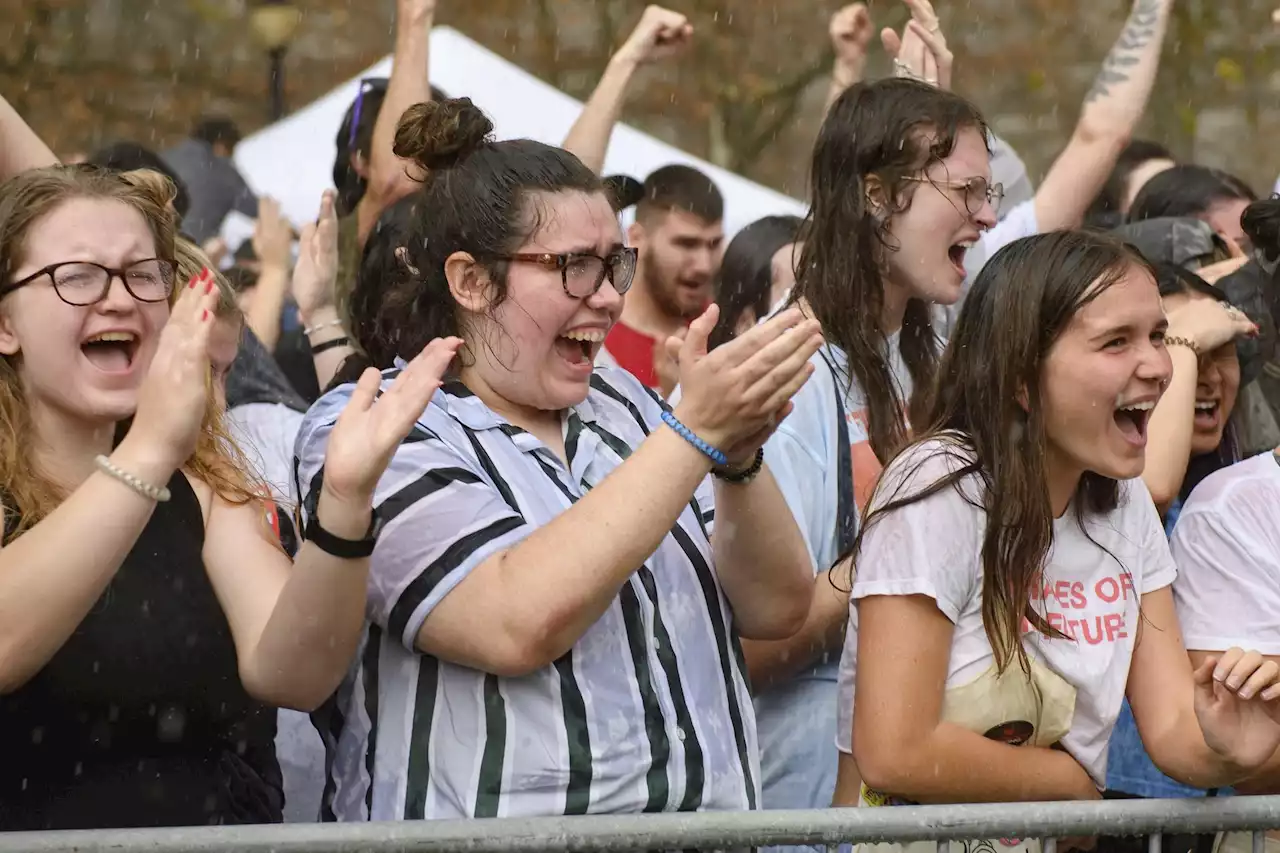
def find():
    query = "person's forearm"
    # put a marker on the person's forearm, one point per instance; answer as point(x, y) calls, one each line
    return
point(1118, 98)
point(761, 558)
point(1111, 112)
point(20, 148)
point(842, 77)
point(314, 630)
point(267, 304)
point(955, 765)
point(409, 84)
point(1182, 754)
point(51, 575)
point(553, 586)
point(772, 662)
point(588, 139)
point(1169, 431)
point(325, 326)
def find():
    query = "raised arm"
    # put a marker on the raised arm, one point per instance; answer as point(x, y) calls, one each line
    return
point(53, 573)
point(20, 148)
point(537, 591)
point(273, 244)
point(850, 32)
point(297, 625)
point(1210, 328)
point(661, 33)
point(409, 85)
point(1111, 112)
point(314, 286)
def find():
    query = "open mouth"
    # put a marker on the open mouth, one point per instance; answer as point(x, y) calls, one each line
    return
point(956, 254)
point(1132, 420)
point(579, 346)
point(111, 352)
point(1206, 416)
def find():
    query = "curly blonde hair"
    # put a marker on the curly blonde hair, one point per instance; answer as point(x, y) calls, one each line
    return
point(25, 199)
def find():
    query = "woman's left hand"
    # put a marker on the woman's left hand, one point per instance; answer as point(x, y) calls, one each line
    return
point(372, 425)
point(1235, 702)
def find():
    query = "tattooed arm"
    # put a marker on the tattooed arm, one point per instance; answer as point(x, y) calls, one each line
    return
point(1111, 111)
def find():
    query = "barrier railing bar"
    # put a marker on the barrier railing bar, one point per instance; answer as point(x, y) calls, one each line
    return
point(703, 830)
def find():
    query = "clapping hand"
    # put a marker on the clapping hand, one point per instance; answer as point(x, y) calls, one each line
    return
point(315, 276)
point(921, 51)
point(1236, 704)
point(174, 397)
point(735, 396)
point(371, 427)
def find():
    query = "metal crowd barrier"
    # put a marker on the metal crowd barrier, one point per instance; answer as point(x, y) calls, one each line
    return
point(692, 831)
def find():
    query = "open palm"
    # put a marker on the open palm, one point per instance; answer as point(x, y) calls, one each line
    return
point(372, 425)
point(1243, 730)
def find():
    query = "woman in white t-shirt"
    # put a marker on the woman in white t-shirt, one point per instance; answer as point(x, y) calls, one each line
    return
point(976, 638)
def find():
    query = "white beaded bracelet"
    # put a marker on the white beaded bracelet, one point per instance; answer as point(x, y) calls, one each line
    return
point(309, 330)
point(160, 494)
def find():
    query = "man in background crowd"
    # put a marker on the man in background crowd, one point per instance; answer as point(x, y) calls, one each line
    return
point(203, 162)
point(679, 234)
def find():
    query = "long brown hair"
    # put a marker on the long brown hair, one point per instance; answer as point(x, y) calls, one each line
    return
point(890, 130)
point(1019, 306)
point(28, 494)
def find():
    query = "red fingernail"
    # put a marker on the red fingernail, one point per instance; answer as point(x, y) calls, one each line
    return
point(208, 288)
point(204, 315)
point(192, 283)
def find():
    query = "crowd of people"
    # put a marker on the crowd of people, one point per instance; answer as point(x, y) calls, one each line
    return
point(463, 502)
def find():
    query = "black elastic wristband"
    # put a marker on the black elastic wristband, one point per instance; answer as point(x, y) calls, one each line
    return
point(336, 546)
point(746, 475)
point(316, 349)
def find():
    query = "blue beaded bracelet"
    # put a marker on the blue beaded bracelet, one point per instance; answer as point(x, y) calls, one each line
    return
point(687, 434)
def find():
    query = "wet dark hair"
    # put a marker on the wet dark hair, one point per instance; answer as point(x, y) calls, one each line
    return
point(1261, 222)
point(381, 267)
point(479, 197)
point(1106, 211)
point(355, 136)
point(890, 129)
point(130, 156)
point(1187, 191)
point(678, 187)
point(1021, 303)
point(746, 272)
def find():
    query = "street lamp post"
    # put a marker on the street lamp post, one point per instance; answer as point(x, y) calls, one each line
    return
point(274, 23)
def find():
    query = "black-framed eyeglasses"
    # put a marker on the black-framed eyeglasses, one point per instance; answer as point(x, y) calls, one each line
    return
point(86, 283)
point(583, 273)
point(976, 192)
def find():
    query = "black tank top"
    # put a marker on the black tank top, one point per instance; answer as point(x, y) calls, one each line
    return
point(140, 719)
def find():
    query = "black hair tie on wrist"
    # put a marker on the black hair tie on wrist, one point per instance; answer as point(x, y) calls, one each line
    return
point(316, 349)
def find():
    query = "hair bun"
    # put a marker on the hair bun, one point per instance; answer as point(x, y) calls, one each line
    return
point(441, 134)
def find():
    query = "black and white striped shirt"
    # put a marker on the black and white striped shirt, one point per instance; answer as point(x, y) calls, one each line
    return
point(649, 711)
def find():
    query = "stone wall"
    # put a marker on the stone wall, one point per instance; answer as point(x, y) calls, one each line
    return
point(749, 96)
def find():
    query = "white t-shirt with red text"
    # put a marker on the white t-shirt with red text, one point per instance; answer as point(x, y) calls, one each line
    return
point(1095, 574)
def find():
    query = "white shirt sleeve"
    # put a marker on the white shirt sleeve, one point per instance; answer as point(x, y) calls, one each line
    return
point(930, 547)
point(1158, 567)
point(799, 458)
point(1228, 586)
point(441, 518)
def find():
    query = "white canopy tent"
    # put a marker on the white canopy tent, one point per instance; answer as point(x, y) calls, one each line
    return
point(292, 160)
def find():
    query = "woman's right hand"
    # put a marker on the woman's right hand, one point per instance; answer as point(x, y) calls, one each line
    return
point(315, 276)
point(742, 389)
point(1209, 324)
point(174, 395)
